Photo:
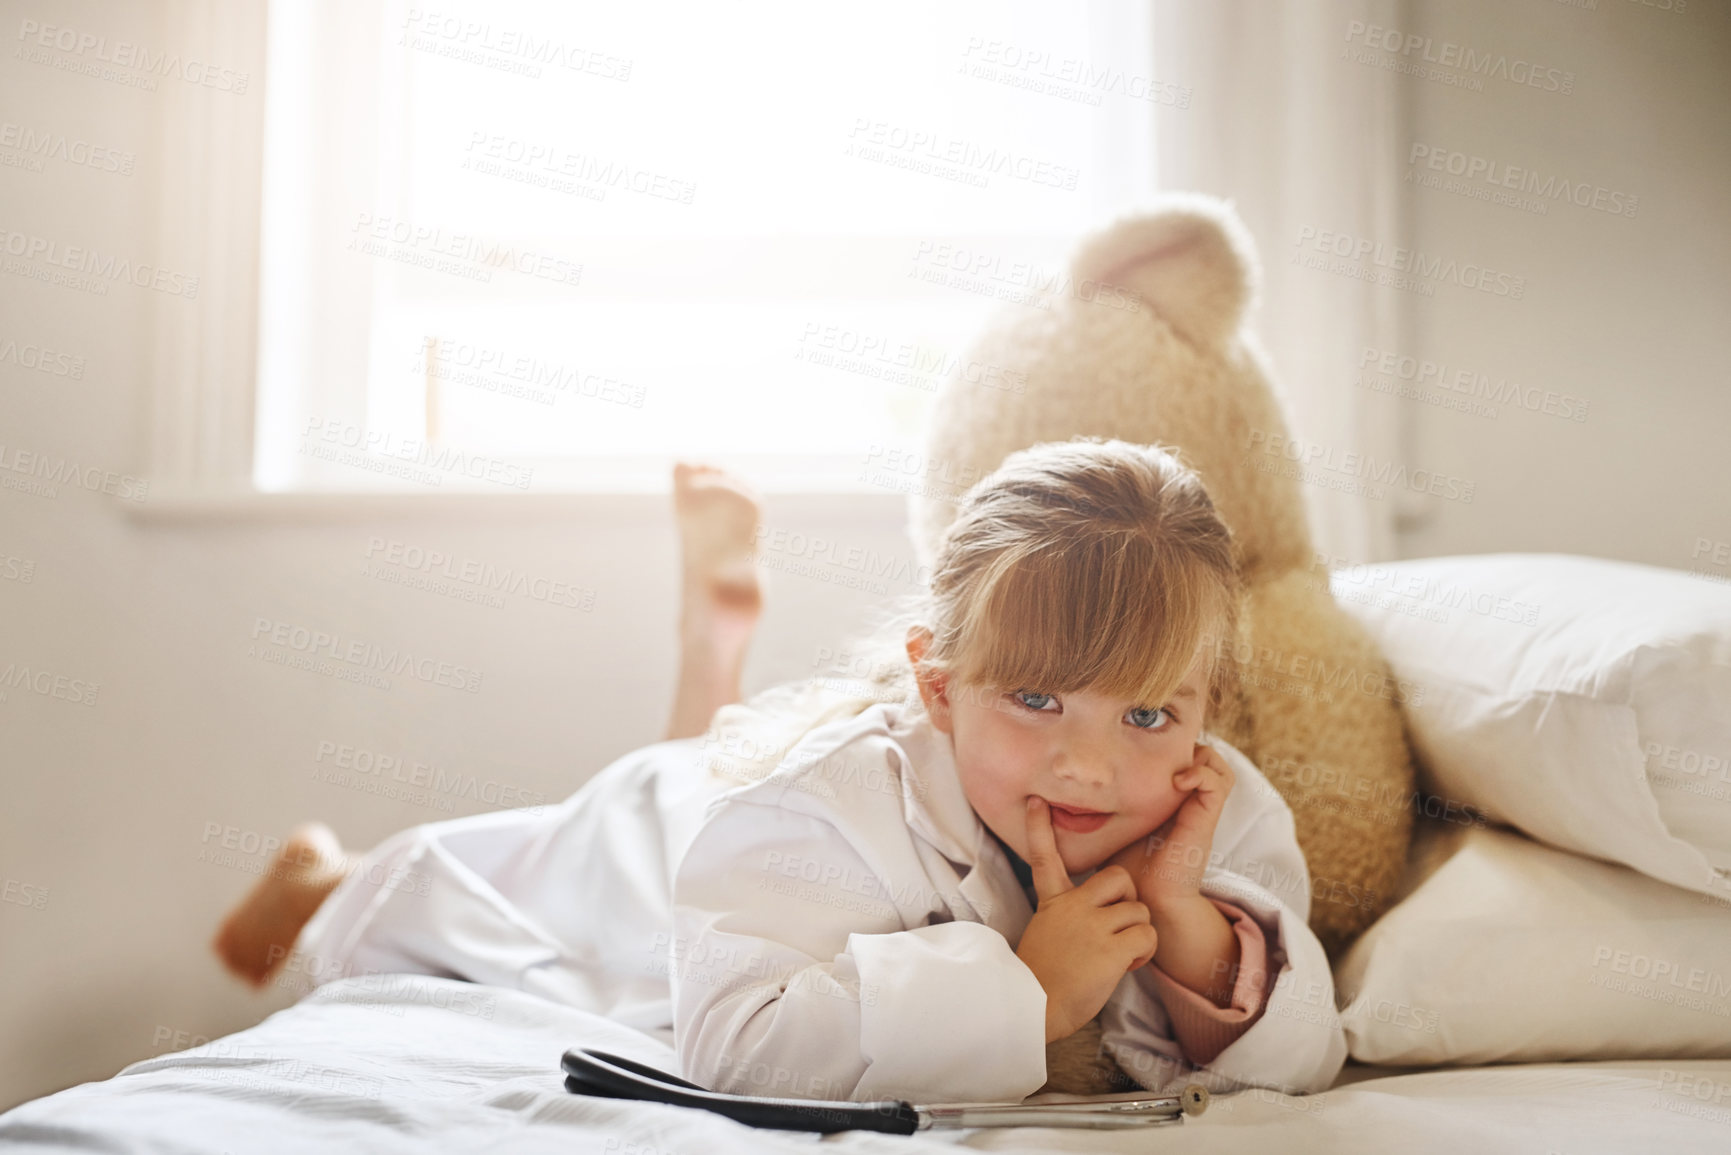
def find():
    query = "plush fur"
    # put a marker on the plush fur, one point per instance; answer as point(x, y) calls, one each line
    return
point(1146, 343)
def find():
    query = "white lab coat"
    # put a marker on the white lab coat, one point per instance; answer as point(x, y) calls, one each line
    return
point(842, 929)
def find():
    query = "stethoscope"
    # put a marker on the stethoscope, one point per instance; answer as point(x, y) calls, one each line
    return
point(590, 1072)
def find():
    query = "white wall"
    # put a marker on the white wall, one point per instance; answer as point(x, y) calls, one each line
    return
point(106, 806)
point(1623, 312)
point(1629, 313)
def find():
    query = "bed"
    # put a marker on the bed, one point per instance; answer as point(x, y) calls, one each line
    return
point(1552, 982)
point(433, 1065)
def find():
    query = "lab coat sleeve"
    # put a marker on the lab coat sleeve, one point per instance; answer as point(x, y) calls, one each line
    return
point(1296, 1045)
point(793, 975)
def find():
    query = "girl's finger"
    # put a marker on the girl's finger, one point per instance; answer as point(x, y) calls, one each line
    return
point(1213, 769)
point(1050, 878)
point(1107, 887)
point(1125, 913)
point(1149, 952)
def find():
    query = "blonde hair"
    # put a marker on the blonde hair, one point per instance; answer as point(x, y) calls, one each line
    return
point(1087, 564)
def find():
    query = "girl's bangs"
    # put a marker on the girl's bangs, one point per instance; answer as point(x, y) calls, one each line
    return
point(1092, 618)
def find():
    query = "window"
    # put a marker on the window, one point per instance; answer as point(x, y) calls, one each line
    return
point(554, 245)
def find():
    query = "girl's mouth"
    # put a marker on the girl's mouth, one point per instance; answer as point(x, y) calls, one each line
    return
point(1079, 822)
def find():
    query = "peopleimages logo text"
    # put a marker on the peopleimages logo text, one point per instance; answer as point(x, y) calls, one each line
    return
point(122, 54)
point(1423, 265)
point(103, 266)
point(365, 655)
point(1448, 54)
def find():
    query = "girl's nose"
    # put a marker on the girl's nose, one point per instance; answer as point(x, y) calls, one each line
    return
point(1082, 769)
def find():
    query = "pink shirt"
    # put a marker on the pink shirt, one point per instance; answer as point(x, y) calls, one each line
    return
point(1201, 1028)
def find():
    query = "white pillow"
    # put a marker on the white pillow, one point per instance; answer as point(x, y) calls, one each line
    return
point(1587, 702)
point(1513, 951)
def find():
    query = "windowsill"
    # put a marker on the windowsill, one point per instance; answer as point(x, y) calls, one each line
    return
point(823, 502)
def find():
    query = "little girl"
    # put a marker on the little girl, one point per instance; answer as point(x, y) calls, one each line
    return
point(910, 890)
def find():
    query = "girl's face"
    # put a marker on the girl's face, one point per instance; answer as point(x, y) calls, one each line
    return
point(1080, 750)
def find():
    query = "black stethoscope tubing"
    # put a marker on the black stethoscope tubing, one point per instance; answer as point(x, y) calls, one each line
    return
point(592, 1072)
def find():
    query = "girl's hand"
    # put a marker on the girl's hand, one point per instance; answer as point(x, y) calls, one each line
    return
point(1083, 939)
point(1167, 864)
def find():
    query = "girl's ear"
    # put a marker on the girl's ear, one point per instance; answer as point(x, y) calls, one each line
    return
point(933, 684)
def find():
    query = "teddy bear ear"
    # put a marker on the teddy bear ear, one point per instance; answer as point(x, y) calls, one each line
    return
point(1189, 260)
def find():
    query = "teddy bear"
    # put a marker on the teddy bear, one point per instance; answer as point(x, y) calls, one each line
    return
point(1144, 339)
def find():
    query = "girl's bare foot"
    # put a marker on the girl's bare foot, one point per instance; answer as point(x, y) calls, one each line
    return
point(720, 600)
point(256, 937)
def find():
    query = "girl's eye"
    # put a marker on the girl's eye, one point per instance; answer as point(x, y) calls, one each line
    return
point(1039, 702)
point(1145, 719)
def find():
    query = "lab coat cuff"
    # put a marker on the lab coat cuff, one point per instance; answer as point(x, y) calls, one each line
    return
point(948, 1014)
point(1202, 1028)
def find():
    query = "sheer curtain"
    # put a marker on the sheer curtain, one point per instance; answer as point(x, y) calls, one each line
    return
point(1301, 136)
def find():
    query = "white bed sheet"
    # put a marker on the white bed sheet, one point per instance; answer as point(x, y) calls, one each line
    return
point(412, 1063)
